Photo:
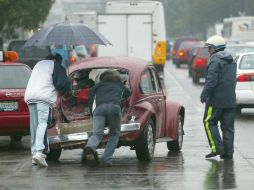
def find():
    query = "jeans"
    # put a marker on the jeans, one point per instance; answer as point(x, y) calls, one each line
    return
point(106, 115)
point(39, 114)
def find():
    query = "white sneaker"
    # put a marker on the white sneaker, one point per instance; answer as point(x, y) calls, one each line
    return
point(33, 161)
point(39, 158)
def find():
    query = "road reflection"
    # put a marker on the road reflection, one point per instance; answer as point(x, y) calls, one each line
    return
point(221, 175)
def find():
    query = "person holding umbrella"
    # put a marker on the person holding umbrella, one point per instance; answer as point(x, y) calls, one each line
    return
point(48, 79)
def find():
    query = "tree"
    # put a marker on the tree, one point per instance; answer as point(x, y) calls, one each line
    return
point(193, 17)
point(22, 14)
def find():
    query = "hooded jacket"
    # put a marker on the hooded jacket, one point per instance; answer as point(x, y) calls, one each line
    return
point(107, 92)
point(219, 88)
point(46, 79)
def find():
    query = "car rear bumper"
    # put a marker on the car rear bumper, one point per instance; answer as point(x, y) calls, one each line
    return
point(245, 97)
point(200, 72)
point(83, 136)
point(14, 124)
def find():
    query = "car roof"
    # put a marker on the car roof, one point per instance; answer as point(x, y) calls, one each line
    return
point(239, 45)
point(129, 63)
point(247, 53)
point(13, 64)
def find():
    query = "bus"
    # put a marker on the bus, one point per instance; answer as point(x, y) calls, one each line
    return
point(135, 29)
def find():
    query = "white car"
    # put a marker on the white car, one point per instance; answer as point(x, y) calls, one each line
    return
point(245, 81)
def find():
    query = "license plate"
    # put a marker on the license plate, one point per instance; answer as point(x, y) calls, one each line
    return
point(9, 106)
point(202, 80)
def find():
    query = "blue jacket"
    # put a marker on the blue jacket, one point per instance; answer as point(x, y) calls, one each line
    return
point(219, 89)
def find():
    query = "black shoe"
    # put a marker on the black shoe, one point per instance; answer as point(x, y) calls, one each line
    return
point(212, 154)
point(226, 156)
point(90, 157)
point(106, 164)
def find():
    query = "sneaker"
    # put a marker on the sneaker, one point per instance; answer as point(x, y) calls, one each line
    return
point(90, 157)
point(106, 164)
point(34, 162)
point(212, 154)
point(39, 158)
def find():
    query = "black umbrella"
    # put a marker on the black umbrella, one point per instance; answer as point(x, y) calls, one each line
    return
point(66, 34)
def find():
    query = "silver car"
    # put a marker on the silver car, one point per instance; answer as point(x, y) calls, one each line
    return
point(245, 81)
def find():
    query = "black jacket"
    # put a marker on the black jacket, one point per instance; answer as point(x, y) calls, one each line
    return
point(108, 92)
point(219, 89)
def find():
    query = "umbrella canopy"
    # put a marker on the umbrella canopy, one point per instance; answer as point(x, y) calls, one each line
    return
point(66, 34)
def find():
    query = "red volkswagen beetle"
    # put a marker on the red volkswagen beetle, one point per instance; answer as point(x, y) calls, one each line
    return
point(148, 116)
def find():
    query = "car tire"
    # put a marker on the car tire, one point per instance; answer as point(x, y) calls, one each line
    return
point(177, 144)
point(54, 154)
point(195, 79)
point(16, 138)
point(146, 143)
point(177, 64)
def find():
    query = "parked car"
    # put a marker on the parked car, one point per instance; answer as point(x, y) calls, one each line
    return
point(14, 113)
point(183, 54)
point(176, 45)
point(148, 116)
point(245, 81)
point(198, 63)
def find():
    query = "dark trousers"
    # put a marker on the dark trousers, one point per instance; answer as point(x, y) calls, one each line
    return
point(226, 116)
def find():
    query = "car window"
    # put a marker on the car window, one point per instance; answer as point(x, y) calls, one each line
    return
point(188, 45)
point(147, 83)
point(247, 62)
point(14, 76)
point(34, 52)
point(157, 81)
point(81, 51)
point(234, 51)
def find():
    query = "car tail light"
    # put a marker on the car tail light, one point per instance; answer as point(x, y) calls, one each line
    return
point(73, 59)
point(181, 53)
point(200, 62)
point(245, 77)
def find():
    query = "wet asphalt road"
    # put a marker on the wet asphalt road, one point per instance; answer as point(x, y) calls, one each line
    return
point(185, 170)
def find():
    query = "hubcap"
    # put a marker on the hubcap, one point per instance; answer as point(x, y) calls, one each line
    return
point(150, 139)
point(180, 133)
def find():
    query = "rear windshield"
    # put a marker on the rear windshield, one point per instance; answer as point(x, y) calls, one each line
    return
point(247, 62)
point(188, 45)
point(234, 51)
point(14, 76)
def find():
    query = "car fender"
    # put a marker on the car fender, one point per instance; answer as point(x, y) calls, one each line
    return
point(173, 110)
point(143, 111)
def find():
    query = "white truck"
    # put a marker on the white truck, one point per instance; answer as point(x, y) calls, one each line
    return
point(135, 29)
point(240, 29)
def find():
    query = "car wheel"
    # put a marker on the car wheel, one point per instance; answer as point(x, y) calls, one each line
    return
point(177, 144)
point(146, 143)
point(54, 154)
point(16, 138)
point(177, 64)
point(195, 79)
